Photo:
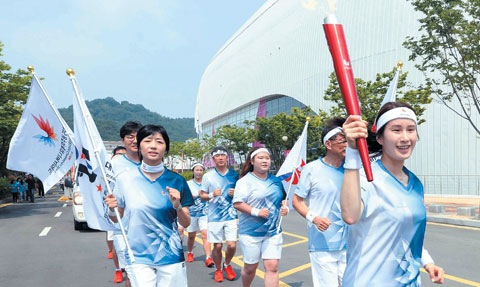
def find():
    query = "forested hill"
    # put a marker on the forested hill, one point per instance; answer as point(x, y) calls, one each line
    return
point(109, 115)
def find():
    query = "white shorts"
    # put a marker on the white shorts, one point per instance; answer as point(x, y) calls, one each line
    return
point(120, 249)
point(223, 230)
point(264, 247)
point(197, 224)
point(109, 235)
point(328, 267)
point(171, 275)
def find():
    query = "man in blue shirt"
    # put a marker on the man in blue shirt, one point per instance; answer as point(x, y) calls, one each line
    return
point(121, 164)
point(218, 187)
point(320, 183)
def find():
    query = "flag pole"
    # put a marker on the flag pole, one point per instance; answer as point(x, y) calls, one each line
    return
point(71, 74)
point(55, 110)
point(291, 182)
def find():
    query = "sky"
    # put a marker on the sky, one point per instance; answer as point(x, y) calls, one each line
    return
point(149, 52)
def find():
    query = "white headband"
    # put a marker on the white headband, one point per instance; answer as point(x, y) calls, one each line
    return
point(219, 152)
point(396, 113)
point(262, 149)
point(197, 164)
point(331, 134)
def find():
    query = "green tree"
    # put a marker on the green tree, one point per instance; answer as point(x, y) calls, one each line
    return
point(371, 93)
point(14, 89)
point(195, 149)
point(237, 139)
point(280, 132)
point(448, 52)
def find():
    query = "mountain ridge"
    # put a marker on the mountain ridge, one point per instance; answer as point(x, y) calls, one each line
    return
point(109, 115)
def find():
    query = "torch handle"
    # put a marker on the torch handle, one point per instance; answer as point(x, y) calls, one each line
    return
point(343, 70)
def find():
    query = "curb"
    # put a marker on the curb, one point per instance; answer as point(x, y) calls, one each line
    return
point(454, 221)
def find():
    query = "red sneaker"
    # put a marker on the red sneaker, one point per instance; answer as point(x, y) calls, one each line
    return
point(209, 262)
point(219, 275)
point(118, 277)
point(189, 257)
point(230, 273)
point(110, 254)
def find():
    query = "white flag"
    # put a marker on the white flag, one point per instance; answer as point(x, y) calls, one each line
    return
point(291, 168)
point(93, 186)
point(41, 144)
point(391, 95)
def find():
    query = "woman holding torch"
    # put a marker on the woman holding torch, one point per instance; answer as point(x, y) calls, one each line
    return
point(387, 216)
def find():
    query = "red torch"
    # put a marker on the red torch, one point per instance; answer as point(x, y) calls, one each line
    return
point(343, 70)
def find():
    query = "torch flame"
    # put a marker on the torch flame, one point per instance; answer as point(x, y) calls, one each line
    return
point(332, 4)
point(309, 4)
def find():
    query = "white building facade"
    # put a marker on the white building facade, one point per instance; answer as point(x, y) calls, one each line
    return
point(279, 59)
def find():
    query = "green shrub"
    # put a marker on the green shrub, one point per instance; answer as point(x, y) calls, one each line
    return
point(187, 174)
point(4, 190)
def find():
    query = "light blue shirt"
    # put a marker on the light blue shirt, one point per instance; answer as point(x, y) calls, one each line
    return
point(122, 164)
point(385, 245)
point(14, 187)
point(259, 193)
point(199, 208)
point(152, 228)
point(320, 184)
point(220, 208)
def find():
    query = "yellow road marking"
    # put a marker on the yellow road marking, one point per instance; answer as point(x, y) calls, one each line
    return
point(294, 243)
point(294, 270)
point(239, 262)
point(5, 204)
point(454, 226)
point(237, 259)
point(457, 279)
point(295, 235)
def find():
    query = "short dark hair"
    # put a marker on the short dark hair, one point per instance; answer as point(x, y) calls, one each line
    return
point(115, 150)
point(148, 130)
point(331, 124)
point(128, 128)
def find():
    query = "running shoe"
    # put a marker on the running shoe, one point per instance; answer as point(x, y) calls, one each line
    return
point(219, 275)
point(118, 277)
point(209, 262)
point(189, 257)
point(110, 254)
point(230, 273)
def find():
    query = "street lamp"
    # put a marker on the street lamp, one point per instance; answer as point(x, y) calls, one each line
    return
point(284, 138)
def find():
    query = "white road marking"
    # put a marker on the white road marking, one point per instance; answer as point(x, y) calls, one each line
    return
point(45, 231)
point(64, 205)
point(58, 214)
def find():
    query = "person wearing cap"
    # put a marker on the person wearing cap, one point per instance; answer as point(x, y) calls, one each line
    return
point(387, 216)
point(198, 216)
point(125, 158)
point(320, 185)
point(218, 186)
point(260, 197)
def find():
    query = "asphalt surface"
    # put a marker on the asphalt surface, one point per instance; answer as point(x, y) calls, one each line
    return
point(65, 257)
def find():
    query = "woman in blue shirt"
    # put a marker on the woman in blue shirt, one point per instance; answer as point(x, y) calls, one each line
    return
point(14, 190)
point(260, 198)
point(153, 197)
point(387, 216)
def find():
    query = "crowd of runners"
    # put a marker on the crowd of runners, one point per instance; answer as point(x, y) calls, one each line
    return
point(360, 233)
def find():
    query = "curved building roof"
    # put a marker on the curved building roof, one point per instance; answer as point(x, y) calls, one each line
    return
point(282, 49)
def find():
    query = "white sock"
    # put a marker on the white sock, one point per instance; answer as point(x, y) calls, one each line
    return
point(116, 270)
point(225, 265)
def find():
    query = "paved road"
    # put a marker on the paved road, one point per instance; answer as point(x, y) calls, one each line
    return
point(65, 257)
